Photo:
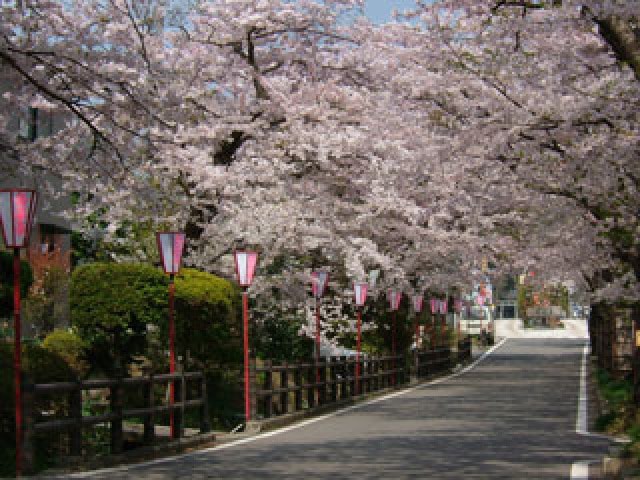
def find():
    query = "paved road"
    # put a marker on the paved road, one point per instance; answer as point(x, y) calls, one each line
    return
point(513, 416)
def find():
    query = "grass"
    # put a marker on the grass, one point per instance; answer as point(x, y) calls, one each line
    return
point(621, 415)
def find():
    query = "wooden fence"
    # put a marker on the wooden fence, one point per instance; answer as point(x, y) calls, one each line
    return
point(288, 388)
point(74, 422)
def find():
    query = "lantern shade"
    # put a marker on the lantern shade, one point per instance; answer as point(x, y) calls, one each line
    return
point(360, 293)
point(245, 266)
point(443, 306)
point(171, 246)
point(434, 305)
point(373, 277)
point(17, 209)
point(418, 303)
point(457, 305)
point(319, 283)
point(394, 297)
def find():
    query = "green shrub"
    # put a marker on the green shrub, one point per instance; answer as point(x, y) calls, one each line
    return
point(6, 282)
point(70, 347)
point(111, 306)
point(39, 366)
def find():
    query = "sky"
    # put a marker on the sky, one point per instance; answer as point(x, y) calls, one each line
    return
point(379, 11)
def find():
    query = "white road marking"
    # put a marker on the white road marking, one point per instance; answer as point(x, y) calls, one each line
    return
point(284, 429)
point(581, 419)
point(580, 470)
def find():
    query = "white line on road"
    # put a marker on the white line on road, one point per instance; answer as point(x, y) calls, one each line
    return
point(580, 470)
point(581, 418)
point(284, 429)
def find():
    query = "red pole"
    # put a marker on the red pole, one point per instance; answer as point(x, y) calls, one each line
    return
point(416, 327)
point(17, 369)
point(317, 340)
point(393, 345)
point(358, 344)
point(245, 324)
point(172, 352)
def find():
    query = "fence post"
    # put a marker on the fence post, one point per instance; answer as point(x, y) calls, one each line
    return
point(149, 420)
point(205, 424)
point(177, 412)
point(322, 392)
point(311, 390)
point(268, 386)
point(333, 375)
point(284, 383)
point(28, 413)
point(253, 398)
point(75, 412)
point(297, 381)
point(115, 401)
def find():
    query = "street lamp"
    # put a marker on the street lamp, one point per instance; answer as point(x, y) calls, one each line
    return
point(433, 303)
point(246, 262)
point(394, 297)
point(318, 286)
point(171, 246)
point(360, 295)
point(443, 312)
point(418, 302)
point(17, 209)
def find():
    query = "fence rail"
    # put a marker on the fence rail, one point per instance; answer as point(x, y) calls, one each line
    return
point(288, 388)
point(76, 421)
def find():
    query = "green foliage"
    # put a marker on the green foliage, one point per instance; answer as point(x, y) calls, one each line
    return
point(46, 307)
point(208, 318)
point(111, 306)
point(39, 366)
point(6, 282)
point(618, 396)
point(278, 339)
point(70, 347)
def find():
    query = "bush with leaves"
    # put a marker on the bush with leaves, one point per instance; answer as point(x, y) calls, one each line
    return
point(39, 366)
point(111, 306)
point(70, 347)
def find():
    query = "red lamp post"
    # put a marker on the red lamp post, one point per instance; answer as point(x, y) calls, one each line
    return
point(246, 262)
point(360, 294)
point(433, 303)
point(418, 303)
point(443, 320)
point(394, 297)
point(17, 209)
point(318, 286)
point(171, 246)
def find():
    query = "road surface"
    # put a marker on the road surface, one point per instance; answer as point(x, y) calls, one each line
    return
point(512, 416)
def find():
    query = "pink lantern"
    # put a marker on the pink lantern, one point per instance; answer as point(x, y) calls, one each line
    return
point(245, 266)
point(17, 209)
point(360, 293)
point(434, 305)
point(319, 283)
point(171, 246)
point(443, 306)
point(457, 305)
point(394, 297)
point(418, 302)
